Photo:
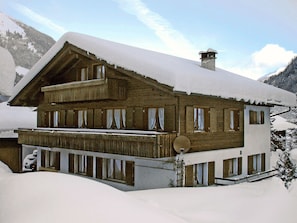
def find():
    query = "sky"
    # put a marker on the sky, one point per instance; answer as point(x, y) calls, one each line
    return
point(252, 37)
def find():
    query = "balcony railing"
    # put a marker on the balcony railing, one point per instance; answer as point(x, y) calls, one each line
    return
point(124, 142)
point(85, 91)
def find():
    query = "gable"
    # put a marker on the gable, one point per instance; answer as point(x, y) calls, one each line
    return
point(181, 75)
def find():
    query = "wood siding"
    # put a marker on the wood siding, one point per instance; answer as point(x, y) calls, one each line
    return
point(11, 153)
point(152, 146)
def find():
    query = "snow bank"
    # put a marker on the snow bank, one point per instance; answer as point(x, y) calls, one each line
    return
point(7, 72)
point(181, 74)
point(280, 124)
point(55, 197)
point(5, 171)
point(266, 201)
point(16, 117)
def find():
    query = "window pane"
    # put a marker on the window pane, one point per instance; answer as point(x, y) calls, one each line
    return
point(200, 119)
point(232, 120)
point(152, 118)
point(161, 118)
point(117, 118)
point(109, 118)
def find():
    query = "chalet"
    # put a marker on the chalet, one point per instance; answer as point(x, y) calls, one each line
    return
point(137, 119)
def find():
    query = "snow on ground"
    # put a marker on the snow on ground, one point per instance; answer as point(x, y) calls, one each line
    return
point(55, 197)
point(265, 201)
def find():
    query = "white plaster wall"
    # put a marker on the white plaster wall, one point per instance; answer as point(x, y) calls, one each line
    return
point(256, 141)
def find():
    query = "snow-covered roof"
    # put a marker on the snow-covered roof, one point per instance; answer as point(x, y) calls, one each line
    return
point(281, 124)
point(7, 72)
point(182, 74)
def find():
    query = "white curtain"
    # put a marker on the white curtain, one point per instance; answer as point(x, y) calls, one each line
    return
point(200, 119)
point(109, 118)
point(80, 119)
point(56, 118)
point(117, 118)
point(195, 118)
point(152, 118)
point(161, 117)
point(232, 120)
point(109, 168)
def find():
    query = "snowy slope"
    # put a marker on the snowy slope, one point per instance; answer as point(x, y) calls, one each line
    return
point(7, 72)
point(60, 198)
point(181, 74)
point(8, 25)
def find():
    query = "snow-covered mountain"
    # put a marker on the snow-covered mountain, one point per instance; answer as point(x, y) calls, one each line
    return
point(26, 44)
point(285, 79)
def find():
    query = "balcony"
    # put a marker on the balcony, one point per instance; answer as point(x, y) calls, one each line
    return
point(123, 142)
point(89, 90)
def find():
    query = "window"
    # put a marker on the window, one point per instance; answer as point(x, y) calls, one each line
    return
point(56, 119)
point(118, 170)
point(201, 173)
point(82, 120)
point(50, 159)
point(84, 74)
point(256, 163)
point(99, 72)
point(81, 164)
point(232, 167)
point(256, 117)
point(116, 118)
point(156, 119)
point(234, 120)
point(199, 119)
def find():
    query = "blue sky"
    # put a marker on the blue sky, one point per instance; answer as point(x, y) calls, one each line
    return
point(252, 37)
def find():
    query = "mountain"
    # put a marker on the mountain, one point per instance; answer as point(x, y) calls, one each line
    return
point(26, 44)
point(286, 79)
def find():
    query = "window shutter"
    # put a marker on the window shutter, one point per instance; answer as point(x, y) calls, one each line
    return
point(241, 120)
point(263, 162)
point(90, 166)
point(90, 118)
point(70, 118)
point(62, 121)
point(169, 118)
point(236, 120)
point(140, 118)
point(189, 119)
point(57, 161)
point(189, 176)
point(250, 165)
point(42, 119)
point(239, 171)
point(71, 163)
point(211, 173)
point(129, 118)
point(213, 120)
point(226, 120)
point(99, 167)
point(43, 158)
point(97, 118)
point(206, 119)
point(130, 173)
point(225, 168)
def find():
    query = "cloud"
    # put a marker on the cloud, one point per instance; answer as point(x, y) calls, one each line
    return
point(40, 19)
point(270, 58)
point(173, 39)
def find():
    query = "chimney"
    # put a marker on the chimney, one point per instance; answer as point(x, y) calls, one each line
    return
point(208, 59)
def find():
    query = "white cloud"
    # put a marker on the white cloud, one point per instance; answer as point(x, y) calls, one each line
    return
point(270, 58)
point(40, 19)
point(173, 39)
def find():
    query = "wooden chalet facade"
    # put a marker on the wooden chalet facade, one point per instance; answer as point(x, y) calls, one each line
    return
point(113, 123)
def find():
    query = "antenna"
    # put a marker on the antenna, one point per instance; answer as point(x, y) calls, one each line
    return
point(181, 144)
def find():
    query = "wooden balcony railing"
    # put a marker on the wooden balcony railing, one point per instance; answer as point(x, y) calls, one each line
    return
point(131, 143)
point(85, 91)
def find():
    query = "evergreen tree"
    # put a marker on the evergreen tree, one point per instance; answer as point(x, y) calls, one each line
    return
point(285, 166)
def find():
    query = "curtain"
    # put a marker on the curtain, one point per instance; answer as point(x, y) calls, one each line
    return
point(152, 118)
point(109, 118)
point(195, 118)
point(56, 118)
point(232, 120)
point(117, 118)
point(109, 168)
point(80, 119)
point(200, 119)
point(161, 117)
point(85, 118)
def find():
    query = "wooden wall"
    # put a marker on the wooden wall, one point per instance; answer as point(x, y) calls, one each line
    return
point(11, 153)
